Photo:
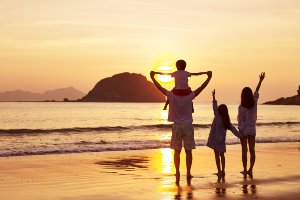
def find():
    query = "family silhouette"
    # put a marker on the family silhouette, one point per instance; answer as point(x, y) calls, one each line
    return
point(180, 113)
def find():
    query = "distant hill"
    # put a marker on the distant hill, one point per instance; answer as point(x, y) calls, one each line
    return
point(56, 95)
point(124, 87)
point(293, 100)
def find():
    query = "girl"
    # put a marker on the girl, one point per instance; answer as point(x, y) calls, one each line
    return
point(247, 116)
point(217, 136)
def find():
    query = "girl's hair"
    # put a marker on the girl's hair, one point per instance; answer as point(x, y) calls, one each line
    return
point(223, 111)
point(247, 99)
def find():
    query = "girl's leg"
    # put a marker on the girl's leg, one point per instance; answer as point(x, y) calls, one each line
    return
point(244, 152)
point(223, 165)
point(251, 141)
point(223, 162)
point(217, 158)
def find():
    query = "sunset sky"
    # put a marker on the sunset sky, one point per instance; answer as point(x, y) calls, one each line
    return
point(49, 44)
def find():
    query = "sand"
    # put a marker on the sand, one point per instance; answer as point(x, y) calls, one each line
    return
point(148, 174)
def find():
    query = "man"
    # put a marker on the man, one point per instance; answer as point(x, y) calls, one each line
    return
point(180, 112)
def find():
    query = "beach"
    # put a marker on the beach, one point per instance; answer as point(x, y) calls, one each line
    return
point(149, 174)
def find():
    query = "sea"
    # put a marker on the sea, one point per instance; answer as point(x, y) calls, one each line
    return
point(37, 128)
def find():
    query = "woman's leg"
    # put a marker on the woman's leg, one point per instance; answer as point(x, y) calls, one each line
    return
point(251, 142)
point(244, 151)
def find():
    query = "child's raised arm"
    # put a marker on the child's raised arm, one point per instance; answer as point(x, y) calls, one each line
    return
point(215, 104)
point(214, 95)
point(261, 78)
point(197, 74)
point(163, 73)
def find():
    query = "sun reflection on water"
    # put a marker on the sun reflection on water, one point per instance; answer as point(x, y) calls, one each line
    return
point(164, 117)
point(167, 160)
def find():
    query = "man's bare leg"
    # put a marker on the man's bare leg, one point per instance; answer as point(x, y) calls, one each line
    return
point(189, 161)
point(177, 164)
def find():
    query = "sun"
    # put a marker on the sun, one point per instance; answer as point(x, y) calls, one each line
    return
point(165, 78)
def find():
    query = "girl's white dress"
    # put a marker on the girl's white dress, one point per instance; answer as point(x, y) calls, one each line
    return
point(217, 136)
point(247, 118)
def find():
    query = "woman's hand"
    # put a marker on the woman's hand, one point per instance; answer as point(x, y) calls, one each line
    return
point(262, 76)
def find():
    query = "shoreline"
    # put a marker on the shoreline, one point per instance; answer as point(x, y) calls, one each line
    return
point(136, 149)
point(128, 174)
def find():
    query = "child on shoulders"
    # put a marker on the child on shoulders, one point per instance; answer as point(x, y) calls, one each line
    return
point(181, 80)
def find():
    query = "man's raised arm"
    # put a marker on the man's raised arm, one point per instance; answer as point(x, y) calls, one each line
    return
point(199, 90)
point(163, 90)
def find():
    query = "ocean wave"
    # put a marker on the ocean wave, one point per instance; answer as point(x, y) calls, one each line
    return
point(123, 128)
point(103, 146)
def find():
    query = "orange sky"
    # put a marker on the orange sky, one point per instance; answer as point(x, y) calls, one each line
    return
point(48, 44)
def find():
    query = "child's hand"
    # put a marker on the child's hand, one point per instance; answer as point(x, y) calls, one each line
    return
point(214, 93)
point(262, 76)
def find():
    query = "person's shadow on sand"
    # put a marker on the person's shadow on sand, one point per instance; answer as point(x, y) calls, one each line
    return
point(189, 190)
point(249, 189)
point(220, 192)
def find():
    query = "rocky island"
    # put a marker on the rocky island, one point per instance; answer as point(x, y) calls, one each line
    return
point(124, 87)
point(293, 100)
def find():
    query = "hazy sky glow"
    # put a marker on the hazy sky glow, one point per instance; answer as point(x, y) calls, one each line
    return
point(48, 44)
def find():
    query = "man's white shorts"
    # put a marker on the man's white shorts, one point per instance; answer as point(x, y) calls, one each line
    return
point(183, 131)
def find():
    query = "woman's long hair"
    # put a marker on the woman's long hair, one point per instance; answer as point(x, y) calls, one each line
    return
point(223, 111)
point(247, 99)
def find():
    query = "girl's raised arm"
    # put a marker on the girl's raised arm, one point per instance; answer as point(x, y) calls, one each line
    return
point(215, 104)
point(261, 78)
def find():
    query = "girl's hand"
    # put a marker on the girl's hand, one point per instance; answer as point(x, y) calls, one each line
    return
point(262, 76)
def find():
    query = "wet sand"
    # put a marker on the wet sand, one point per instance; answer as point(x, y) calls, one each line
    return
point(148, 174)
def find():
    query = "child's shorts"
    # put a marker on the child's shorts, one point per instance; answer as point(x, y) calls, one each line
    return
point(183, 131)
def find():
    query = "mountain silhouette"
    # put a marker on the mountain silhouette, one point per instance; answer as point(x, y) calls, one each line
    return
point(293, 100)
point(124, 87)
point(50, 95)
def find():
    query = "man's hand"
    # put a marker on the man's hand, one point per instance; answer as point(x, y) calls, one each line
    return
point(209, 73)
point(152, 73)
point(199, 89)
point(163, 90)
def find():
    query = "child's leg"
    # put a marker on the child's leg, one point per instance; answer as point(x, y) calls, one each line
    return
point(251, 142)
point(223, 162)
point(223, 165)
point(217, 158)
point(166, 105)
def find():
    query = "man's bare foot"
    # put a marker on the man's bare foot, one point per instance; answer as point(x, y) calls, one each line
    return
point(177, 175)
point(189, 176)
